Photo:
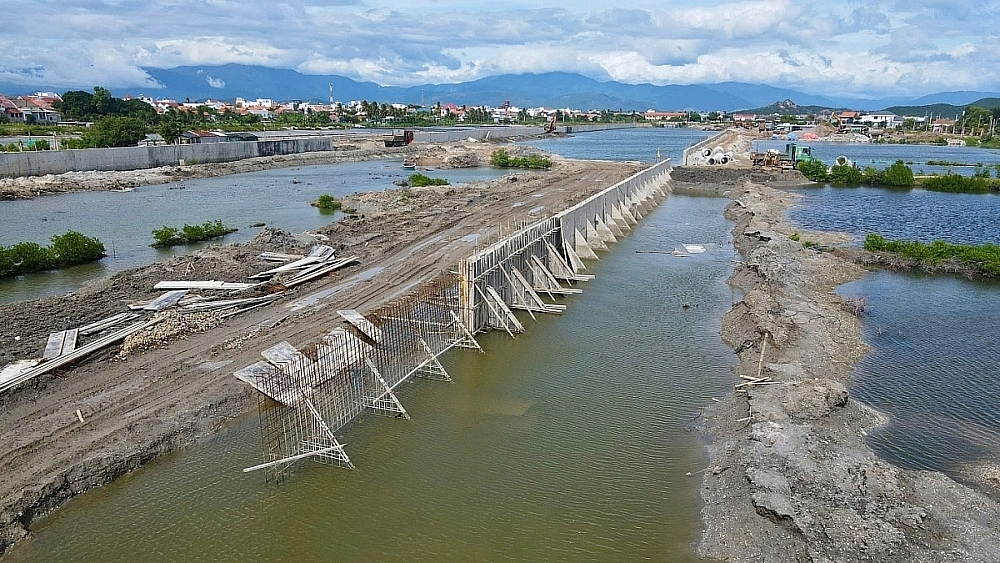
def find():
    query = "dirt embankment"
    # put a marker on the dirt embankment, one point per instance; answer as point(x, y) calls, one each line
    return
point(451, 155)
point(162, 398)
point(790, 477)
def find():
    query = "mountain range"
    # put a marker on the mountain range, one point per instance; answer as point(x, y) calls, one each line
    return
point(552, 89)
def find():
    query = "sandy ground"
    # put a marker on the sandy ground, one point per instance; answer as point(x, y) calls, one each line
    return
point(164, 398)
point(790, 477)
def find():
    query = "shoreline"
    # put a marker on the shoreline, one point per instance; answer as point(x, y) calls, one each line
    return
point(794, 480)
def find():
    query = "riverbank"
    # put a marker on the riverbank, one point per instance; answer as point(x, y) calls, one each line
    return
point(459, 154)
point(790, 477)
point(182, 390)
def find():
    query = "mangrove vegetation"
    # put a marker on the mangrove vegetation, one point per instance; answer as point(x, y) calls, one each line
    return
point(501, 159)
point(980, 259)
point(65, 250)
point(172, 236)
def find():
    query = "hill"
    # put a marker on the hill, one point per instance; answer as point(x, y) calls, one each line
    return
point(552, 89)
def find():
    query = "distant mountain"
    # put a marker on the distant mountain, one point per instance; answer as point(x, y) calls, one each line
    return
point(553, 89)
point(962, 98)
point(946, 110)
point(941, 109)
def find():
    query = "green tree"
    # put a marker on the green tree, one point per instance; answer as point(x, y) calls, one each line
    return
point(112, 131)
point(170, 129)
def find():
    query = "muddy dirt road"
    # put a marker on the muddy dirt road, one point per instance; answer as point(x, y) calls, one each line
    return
point(152, 402)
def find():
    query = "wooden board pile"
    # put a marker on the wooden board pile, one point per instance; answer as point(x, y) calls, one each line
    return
point(188, 312)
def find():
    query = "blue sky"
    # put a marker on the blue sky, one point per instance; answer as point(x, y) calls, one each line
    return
point(865, 49)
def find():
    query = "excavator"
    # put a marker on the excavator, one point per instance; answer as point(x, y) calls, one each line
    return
point(550, 127)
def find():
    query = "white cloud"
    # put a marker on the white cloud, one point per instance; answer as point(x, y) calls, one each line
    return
point(868, 48)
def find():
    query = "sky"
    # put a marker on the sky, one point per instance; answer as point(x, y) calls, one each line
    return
point(866, 49)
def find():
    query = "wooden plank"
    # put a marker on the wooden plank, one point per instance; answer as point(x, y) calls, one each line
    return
point(284, 353)
point(168, 299)
point(53, 347)
point(361, 323)
point(76, 354)
point(98, 326)
point(209, 284)
point(69, 343)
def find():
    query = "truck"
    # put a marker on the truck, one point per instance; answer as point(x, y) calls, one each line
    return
point(795, 154)
point(399, 138)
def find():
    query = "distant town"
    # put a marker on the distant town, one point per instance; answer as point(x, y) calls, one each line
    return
point(98, 119)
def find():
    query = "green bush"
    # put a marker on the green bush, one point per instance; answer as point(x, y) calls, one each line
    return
point(75, 248)
point(871, 176)
point(327, 201)
point(845, 176)
point(985, 258)
point(957, 183)
point(898, 175)
point(814, 170)
point(419, 181)
point(172, 236)
point(500, 159)
point(65, 250)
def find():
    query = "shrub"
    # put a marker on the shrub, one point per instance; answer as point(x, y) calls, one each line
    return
point(326, 201)
point(75, 248)
point(65, 250)
point(172, 236)
point(500, 159)
point(984, 258)
point(956, 183)
point(814, 170)
point(419, 181)
point(898, 175)
point(871, 176)
point(845, 176)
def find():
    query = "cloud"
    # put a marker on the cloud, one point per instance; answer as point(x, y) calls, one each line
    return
point(215, 82)
point(867, 48)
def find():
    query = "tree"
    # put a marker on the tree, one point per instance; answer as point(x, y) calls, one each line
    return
point(114, 131)
point(170, 130)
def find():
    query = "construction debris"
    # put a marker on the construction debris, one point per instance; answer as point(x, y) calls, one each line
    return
point(169, 326)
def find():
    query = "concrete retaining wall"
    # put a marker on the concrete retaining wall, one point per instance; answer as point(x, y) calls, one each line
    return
point(13, 165)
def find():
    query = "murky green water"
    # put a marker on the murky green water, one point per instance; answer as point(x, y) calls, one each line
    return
point(569, 443)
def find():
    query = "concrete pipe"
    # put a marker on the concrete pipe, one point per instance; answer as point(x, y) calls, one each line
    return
point(712, 161)
point(844, 161)
point(724, 159)
point(706, 152)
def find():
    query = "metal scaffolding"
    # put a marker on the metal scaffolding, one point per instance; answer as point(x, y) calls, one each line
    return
point(306, 396)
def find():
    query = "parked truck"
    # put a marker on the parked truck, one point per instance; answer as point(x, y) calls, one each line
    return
point(399, 138)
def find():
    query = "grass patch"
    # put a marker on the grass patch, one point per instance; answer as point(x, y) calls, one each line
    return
point(65, 250)
point(983, 259)
point(172, 236)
